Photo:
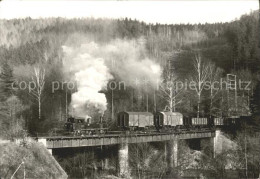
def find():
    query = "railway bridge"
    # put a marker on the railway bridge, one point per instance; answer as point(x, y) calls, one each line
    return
point(204, 138)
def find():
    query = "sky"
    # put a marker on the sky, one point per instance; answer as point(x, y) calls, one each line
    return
point(166, 12)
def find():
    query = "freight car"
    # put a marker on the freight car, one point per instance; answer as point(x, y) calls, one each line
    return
point(192, 123)
point(172, 120)
point(135, 120)
point(218, 121)
point(231, 121)
point(237, 122)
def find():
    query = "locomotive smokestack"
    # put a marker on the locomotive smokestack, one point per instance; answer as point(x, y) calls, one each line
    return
point(101, 118)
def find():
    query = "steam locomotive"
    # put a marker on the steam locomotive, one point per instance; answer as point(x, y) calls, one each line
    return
point(84, 126)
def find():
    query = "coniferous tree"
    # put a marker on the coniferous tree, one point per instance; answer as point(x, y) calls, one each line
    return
point(6, 80)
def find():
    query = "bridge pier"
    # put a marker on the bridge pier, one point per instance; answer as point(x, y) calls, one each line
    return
point(105, 159)
point(106, 163)
point(50, 150)
point(123, 160)
point(218, 143)
point(172, 154)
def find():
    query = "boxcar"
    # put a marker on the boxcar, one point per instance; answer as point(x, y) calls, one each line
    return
point(134, 120)
point(168, 119)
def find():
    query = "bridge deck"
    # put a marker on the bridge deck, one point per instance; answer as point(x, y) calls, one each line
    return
point(100, 140)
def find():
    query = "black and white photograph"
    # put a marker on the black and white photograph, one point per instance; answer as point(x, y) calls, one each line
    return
point(129, 89)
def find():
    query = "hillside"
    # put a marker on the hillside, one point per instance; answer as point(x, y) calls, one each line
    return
point(38, 162)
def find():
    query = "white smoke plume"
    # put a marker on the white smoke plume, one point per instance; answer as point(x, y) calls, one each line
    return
point(92, 66)
point(129, 61)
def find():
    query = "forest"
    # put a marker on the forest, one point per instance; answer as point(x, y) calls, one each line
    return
point(40, 52)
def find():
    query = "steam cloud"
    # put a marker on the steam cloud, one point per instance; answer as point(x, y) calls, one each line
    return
point(92, 66)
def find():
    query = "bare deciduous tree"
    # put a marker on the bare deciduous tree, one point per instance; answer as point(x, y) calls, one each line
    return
point(170, 92)
point(199, 78)
point(38, 79)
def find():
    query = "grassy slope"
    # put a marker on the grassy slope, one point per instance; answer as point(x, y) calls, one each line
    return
point(38, 162)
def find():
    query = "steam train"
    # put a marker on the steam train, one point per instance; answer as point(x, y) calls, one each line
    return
point(146, 121)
